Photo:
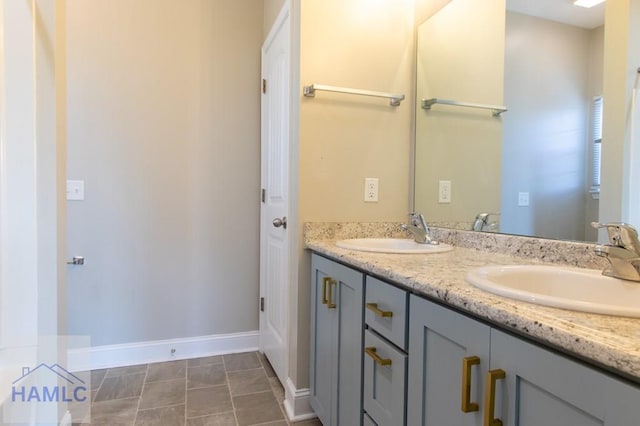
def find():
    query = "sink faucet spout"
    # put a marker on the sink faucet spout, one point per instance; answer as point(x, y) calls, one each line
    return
point(419, 229)
point(623, 252)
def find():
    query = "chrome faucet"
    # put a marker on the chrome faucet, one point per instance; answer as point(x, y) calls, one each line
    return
point(623, 252)
point(419, 229)
point(480, 221)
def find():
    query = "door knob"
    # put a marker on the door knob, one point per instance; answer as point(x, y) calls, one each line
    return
point(277, 222)
point(76, 260)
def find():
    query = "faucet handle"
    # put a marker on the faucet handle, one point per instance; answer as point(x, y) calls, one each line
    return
point(621, 234)
point(417, 219)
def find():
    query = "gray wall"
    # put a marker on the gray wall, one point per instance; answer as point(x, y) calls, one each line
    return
point(548, 93)
point(164, 128)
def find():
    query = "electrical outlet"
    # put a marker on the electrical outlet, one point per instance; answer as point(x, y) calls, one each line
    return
point(523, 199)
point(444, 191)
point(371, 190)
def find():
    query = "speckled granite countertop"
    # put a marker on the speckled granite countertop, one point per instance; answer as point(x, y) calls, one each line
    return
point(611, 342)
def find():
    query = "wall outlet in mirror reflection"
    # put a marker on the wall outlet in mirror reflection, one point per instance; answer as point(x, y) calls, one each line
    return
point(523, 199)
point(444, 191)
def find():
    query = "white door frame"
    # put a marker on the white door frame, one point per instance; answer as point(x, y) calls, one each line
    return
point(32, 170)
point(32, 184)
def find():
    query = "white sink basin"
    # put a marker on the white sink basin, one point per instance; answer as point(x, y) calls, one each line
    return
point(570, 288)
point(392, 245)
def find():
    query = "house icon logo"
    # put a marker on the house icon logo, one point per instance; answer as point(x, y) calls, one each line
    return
point(48, 383)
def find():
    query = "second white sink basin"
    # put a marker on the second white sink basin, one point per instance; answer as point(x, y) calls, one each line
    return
point(570, 288)
point(392, 245)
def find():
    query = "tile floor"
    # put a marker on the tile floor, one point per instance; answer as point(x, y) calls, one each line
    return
point(238, 389)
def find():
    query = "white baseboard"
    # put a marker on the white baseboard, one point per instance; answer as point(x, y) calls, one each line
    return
point(109, 356)
point(296, 403)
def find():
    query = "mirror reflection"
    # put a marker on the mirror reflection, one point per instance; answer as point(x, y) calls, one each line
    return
point(532, 170)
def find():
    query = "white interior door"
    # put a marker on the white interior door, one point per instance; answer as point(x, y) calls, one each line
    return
point(274, 243)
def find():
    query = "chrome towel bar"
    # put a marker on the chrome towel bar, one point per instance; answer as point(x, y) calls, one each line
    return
point(394, 99)
point(496, 110)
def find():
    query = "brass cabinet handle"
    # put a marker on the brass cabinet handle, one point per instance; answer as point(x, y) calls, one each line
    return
point(371, 351)
point(490, 397)
point(330, 282)
point(325, 280)
point(379, 312)
point(467, 363)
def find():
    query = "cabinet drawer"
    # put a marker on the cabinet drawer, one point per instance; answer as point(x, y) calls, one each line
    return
point(385, 374)
point(386, 311)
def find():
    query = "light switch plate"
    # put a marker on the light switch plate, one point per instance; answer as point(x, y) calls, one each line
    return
point(75, 190)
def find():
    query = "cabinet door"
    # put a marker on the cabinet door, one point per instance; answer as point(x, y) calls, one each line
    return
point(439, 340)
point(350, 306)
point(544, 388)
point(323, 356)
point(336, 341)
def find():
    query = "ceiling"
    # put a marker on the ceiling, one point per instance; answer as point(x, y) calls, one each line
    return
point(561, 11)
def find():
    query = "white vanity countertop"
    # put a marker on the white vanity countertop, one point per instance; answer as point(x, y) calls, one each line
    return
point(611, 342)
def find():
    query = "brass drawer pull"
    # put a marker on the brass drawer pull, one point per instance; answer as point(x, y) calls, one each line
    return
point(329, 299)
point(467, 363)
point(490, 397)
point(325, 280)
point(330, 303)
point(371, 351)
point(379, 312)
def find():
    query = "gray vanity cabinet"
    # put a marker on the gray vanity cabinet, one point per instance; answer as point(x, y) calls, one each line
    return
point(385, 357)
point(336, 343)
point(426, 364)
point(445, 348)
point(532, 386)
point(543, 388)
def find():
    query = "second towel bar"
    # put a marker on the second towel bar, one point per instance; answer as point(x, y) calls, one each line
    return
point(496, 110)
